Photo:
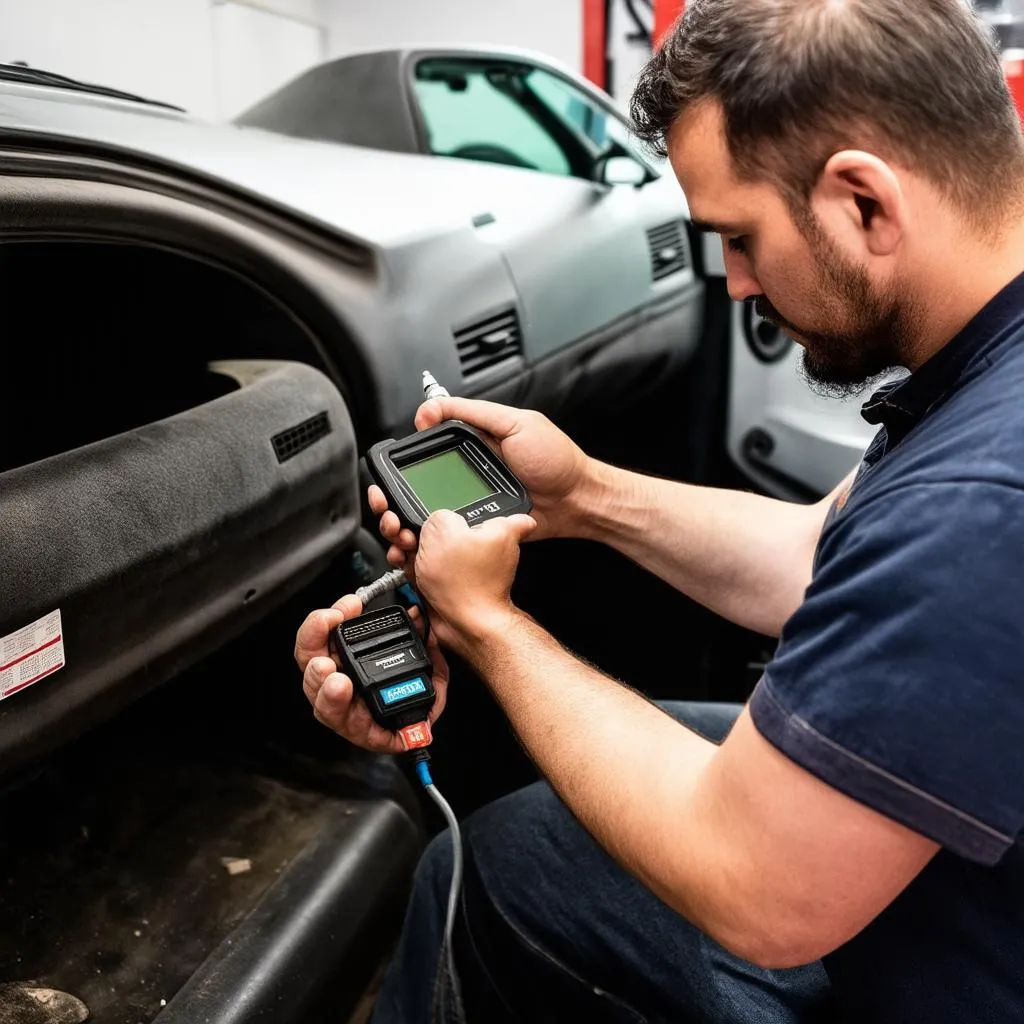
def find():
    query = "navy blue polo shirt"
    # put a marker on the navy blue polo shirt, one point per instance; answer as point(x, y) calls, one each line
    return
point(900, 679)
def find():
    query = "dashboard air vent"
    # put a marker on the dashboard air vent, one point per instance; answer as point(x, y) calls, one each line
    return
point(668, 249)
point(303, 435)
point(488, 342)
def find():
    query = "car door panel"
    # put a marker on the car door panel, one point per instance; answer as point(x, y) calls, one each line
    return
point(792, 442)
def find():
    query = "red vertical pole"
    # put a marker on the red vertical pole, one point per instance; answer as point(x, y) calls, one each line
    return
point(665, 14)
point(595, 42)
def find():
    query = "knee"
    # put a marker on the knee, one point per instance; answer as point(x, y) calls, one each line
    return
point(522, 841)
point(509, 846)
point(434, 871)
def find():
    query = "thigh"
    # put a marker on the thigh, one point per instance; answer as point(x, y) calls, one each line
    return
point(556, 930)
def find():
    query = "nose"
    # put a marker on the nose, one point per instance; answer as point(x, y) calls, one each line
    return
point(740, 278)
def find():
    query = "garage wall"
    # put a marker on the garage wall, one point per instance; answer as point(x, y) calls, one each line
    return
point(212, 57)
point(256, 50)
point(159, 48)
point(554, 27)
point(216, 57)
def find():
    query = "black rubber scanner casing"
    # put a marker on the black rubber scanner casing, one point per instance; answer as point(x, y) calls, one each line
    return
point(383, 654)
point(385, 459)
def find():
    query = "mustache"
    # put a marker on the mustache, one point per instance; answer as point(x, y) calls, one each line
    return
point(766, 311)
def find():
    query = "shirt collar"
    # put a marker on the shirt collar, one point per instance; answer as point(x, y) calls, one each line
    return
point(900, 405)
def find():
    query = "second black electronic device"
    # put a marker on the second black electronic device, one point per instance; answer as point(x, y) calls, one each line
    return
point(382, 653)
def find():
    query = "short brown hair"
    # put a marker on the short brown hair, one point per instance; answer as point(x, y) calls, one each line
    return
point(916, 81)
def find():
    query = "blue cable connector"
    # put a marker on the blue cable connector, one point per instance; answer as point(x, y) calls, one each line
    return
point(423, 771)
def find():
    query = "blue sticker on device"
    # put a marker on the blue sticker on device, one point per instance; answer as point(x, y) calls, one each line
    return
point(393, 694)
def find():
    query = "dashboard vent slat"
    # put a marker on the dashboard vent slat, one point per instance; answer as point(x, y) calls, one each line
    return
point(489, 342)
point(288, 443)
point(669, 254)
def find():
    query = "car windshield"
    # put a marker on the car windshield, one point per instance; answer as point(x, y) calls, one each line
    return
point(35, 76)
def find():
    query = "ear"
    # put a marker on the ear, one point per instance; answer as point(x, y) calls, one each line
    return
point(859, 201)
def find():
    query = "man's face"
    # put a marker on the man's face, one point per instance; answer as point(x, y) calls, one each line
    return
point(852, 327)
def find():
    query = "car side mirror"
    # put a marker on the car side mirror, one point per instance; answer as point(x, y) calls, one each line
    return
point(621, 170)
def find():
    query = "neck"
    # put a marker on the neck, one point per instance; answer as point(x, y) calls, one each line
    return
point(978, 268)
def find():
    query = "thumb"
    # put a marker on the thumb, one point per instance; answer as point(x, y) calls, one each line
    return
point(517, 528)
point(445, 521)
point(430, 414)
point(350, 606)
point(500, 421)
point(522, 526)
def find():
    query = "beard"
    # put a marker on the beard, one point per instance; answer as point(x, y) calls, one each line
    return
point(866, 332)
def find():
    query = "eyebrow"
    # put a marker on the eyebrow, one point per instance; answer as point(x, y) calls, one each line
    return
point(706, 227)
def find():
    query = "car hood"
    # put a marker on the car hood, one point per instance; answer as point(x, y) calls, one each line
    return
point(384, 199)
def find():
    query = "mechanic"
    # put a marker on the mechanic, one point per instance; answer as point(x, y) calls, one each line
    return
point(849, 843)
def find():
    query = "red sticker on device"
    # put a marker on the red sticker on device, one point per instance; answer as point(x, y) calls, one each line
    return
point(414, 736)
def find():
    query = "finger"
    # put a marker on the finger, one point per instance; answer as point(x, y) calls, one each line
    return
point(429, 414)
point(409, 568)
point(445, 521)
point(417, 618)
point(396, 557)
point(518, 527)
point(333, 701)
point(349, 605)
point(390, 526)
point(339, 709)
point(407, 540)
point(376, 499)
point(501, 421)
point(440, 699)
point(522, 525)
point(311, 639)
point(313, 678)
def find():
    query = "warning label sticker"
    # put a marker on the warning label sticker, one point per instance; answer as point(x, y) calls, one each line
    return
point(31, 654)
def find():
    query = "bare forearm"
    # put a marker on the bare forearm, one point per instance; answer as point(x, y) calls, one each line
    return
point(629, 772)
point(744, 556)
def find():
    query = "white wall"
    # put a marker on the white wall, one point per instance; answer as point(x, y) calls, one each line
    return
point(210, 56)
point(215, 57)
point(258, 50)
point(554, 27)
point(159, 48)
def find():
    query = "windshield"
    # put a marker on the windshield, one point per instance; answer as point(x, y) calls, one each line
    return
point(35, 76)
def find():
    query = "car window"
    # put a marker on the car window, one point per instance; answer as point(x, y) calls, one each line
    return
point(606, 133)
point(471, 112)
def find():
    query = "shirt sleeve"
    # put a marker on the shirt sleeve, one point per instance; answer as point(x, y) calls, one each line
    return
point(899, 681)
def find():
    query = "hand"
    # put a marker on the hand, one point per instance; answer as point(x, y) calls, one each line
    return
point(330, 692)
point(465, 573)
point(552, 468)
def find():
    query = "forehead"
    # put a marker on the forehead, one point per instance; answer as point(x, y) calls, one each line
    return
point(700, 157)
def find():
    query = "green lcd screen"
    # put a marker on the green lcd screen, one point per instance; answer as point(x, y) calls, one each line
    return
point(446, 481)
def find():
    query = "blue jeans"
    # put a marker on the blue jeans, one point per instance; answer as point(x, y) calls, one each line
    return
point(551, 929)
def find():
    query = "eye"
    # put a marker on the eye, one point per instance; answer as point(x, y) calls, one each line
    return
point(738, 244)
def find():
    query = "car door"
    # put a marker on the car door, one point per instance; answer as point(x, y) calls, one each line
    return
point(792, 442)
point(578, 247)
